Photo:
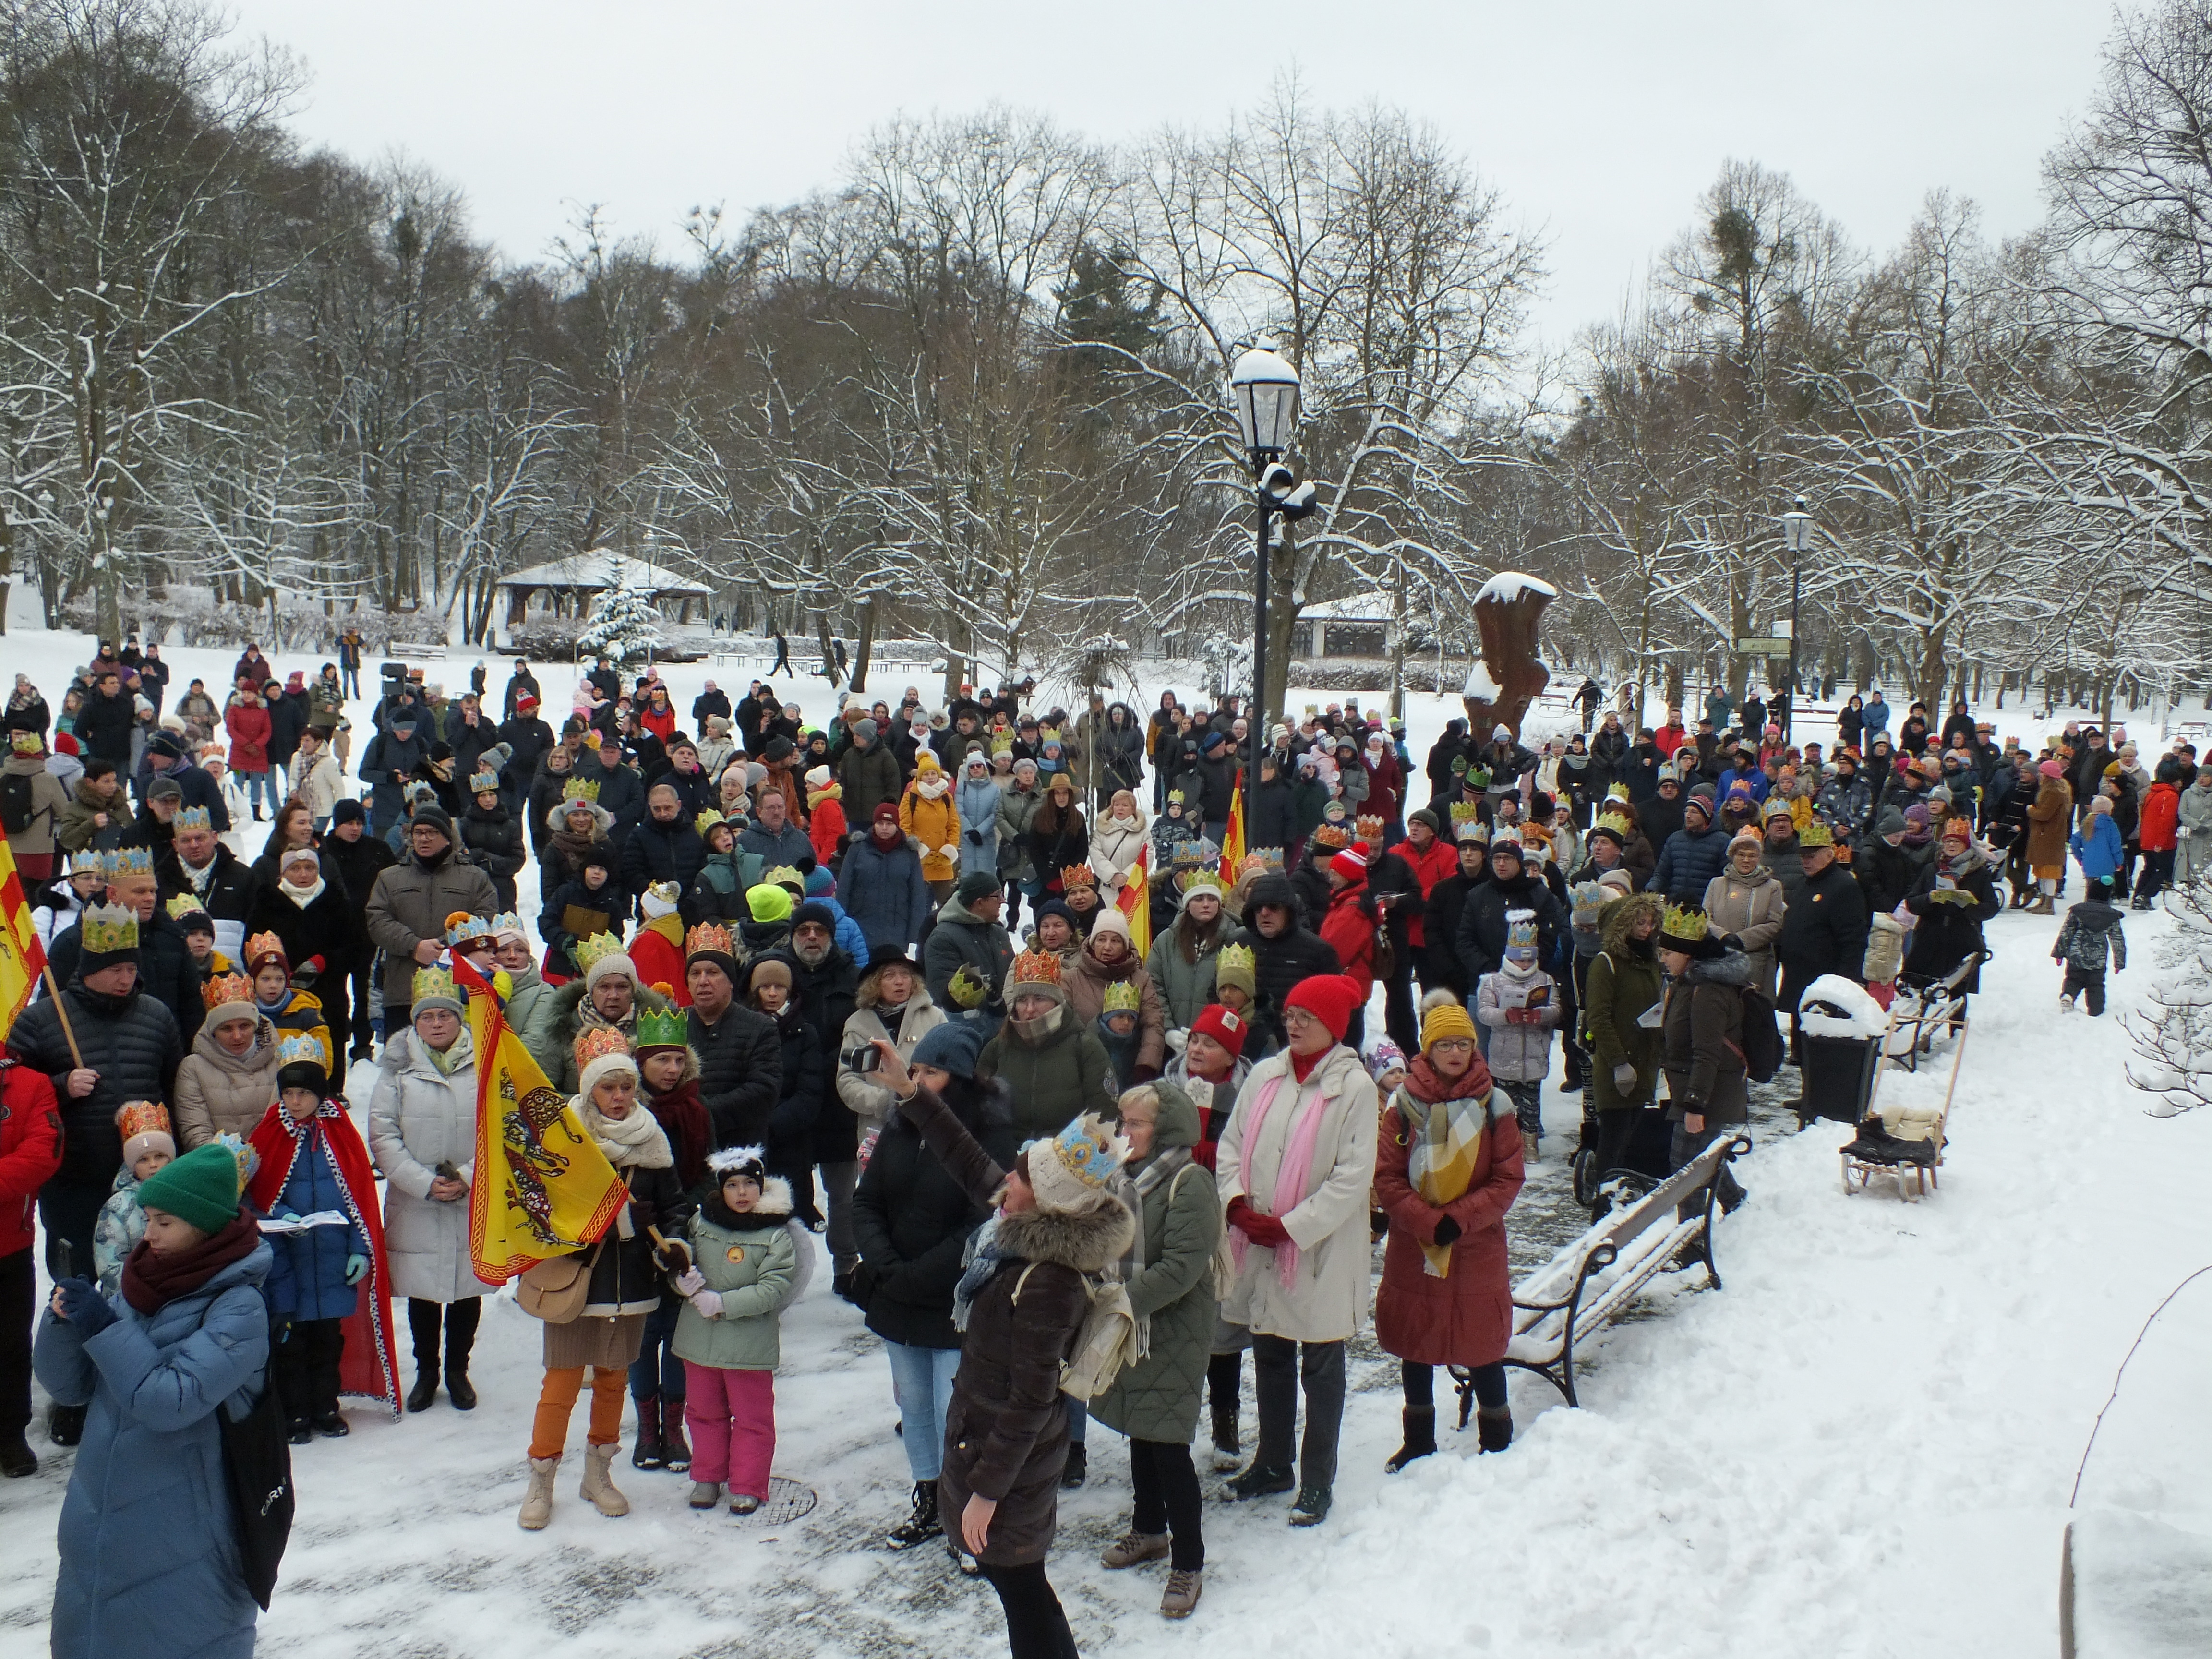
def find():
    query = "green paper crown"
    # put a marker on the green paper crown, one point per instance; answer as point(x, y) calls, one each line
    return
point(663, 1027)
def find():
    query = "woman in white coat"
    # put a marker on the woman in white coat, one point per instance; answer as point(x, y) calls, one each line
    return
point(1117, 840)
point(421, 1132)
point(1294, 1168)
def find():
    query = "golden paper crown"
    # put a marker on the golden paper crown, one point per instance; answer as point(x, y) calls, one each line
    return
point(1613, 823)
point(1201, 880)
point(707, 820)
point(1369, 827)
point(1078, 875)
point(1465, 811)
point(584, 789)
point(1034, 968)
point(142, 1117)
point(186, 903)
point(1815, 834)
point(105, 929)
point(1122, 997)
point(434, 981)
point(1236, 958)
point(595, 1041)
point(709, 938)
point(784, 876)
point(298, 1049)
point(1331, 835)
point(589, 951)
point(261, 947)
point(225, 988)
point(1686, 922)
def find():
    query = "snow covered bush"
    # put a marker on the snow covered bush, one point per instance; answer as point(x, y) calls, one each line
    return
point(624, 624)
point(2172, 1031)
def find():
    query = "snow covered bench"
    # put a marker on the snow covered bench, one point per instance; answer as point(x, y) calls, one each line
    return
point(1587, 1285)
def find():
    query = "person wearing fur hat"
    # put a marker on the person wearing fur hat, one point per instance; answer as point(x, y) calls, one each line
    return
point(1294, 1167)
point(1106, 960)
point(1168, 1275)
point(1449, 1166)
point(226, 1082)
point(746, 1267)
point(1520, 1005)
point(422, 1133)
point(312, 1163)
point(1046, 1052)
point(1954, 898)
point(624, 1284)
point(492, 836)
point(148, 1544)
point(574, 823)
point(1702, 1038)
point(147, 1146)
point(1746, 903)
point(1019, 1304)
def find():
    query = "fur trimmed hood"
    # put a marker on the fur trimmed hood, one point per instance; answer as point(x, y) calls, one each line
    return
point(1614, 921)
point(1086, 1240)
point(774, 1209)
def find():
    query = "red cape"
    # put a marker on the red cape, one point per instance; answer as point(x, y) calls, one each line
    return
point(368, 1366)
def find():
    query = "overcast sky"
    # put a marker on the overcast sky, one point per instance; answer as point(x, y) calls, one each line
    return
point(1601, 119)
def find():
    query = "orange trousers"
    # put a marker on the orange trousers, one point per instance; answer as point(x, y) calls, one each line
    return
point(548, 1429)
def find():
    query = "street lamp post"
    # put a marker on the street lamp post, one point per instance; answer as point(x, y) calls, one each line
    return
point(1264, 393)
point(1796, 537)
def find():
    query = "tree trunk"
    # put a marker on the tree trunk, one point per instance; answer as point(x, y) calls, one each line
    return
point(864, 647)
point(1398, 654)
point(1935, 673)
point(829, 651)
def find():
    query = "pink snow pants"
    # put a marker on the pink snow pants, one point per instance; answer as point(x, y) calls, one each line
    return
point(731, 1417)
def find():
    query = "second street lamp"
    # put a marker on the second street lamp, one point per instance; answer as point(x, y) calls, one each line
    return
point(1263, 391)
point(1796, 539)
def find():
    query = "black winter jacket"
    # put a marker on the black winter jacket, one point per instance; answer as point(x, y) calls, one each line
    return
point(1825, 934)
point(1482, 924)
point(130, 1041)
point(1274, 815)
point(826, 994)
point(663, 852)
point(911, 1222)
point(1280, 963)
point(740, 1073)
point(494, 841)
point(165, 972)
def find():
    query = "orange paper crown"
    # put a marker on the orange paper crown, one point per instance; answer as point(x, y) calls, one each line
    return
point(593, 1040)
point(142, 1117)
point(226, 988)
point(1078, 875)
point(1036, 968)
point(261, 947)
point(708, 938)
point(1369, 827)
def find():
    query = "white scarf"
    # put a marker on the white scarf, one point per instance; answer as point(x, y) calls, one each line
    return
point(302, 896)
point(931, 788)
point(636, 1142)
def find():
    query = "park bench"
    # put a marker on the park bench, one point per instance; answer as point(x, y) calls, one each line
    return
point(1588, 1284)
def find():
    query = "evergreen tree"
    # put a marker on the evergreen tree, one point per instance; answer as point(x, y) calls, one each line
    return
point(624, 624)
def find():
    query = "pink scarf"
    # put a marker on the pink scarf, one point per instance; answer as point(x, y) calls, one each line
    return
point(1291, 1174)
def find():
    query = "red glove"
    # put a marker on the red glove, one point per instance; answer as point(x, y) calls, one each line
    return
point(1260, 1228)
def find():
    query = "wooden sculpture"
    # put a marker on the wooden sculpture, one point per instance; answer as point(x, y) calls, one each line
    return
point(1508, 676)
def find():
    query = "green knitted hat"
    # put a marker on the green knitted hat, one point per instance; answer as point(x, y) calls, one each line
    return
point(200, 1188)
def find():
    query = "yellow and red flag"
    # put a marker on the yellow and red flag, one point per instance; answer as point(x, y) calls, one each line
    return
point(543, 1188)
point(1232, 838)
point(22, 959)
point(1134, 901)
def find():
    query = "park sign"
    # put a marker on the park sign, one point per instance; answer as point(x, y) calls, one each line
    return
point(1755, 646)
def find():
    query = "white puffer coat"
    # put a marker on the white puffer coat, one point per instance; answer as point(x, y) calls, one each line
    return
point(419, 1118)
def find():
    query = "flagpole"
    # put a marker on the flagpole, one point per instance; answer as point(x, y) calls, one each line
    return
point(46, 972)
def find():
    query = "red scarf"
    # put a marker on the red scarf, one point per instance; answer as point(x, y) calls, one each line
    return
point(152, 1280)
point(683, 1118)
point(366, 1367)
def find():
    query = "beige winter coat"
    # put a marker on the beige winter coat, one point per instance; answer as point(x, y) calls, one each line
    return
point(1327, 1298)
point(1750, 907)
point(220, 1093)
point(321, 786)
point(868, 1100)
point(419, 1118)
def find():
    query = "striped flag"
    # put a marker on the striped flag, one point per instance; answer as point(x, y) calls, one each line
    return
point(1232, 839)
point(1134, 901)
point(22, 959)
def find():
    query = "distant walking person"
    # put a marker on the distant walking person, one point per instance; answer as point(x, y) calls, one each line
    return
point(782, 656)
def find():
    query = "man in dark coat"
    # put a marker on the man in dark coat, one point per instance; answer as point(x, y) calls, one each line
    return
point(1692, 856)
point(197, 863)
point(740, 1058)
point(868, 774)
point(665, 847)
point(1447, 904)
point(165, 758)
point(775, 837)
point(1825, 930)
point(104, 724)
point(520, 685)
point(1283, 951)
point(527, 738)
point(359, 857)
point(825, 985)
point(1274, 806)
point(1512, 886)
point(711, 701)
point(166, 972)
point(621, 792)
point(969, 933)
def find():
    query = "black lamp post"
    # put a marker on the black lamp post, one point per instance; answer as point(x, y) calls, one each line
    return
point(1264, 391)
point(1796, 538)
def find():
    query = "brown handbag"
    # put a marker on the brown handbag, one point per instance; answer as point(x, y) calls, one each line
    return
point(556, 1290)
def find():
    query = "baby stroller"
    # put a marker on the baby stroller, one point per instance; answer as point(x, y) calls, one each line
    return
point(1647, 1162)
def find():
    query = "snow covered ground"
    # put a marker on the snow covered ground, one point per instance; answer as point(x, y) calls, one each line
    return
point(1863, 1446)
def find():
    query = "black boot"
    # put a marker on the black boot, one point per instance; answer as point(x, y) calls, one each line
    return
point(299, 1431)
point(1228, 1449)
point(1493, 1427)
point(16, 1457)
point(459, 1342)
point(423, 1322)
point(1078, 1469)
point(426, 1387)
point(1260, 1481)
point(650, 1452)
point(1420, 1437)
point(920, 1526)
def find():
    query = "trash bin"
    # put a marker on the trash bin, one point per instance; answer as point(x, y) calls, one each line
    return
point(1840, 1031)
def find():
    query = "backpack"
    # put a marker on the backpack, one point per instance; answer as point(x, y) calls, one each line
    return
point(15, 802)
point(1762, 1049)
point(1106, 1342)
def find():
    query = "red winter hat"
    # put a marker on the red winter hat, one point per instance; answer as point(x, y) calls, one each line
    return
point(1224, 1027)
point(1351, 864)
point(886, 813)
point(1329, 998)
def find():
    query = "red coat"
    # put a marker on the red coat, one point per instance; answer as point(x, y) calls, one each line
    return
point(1429, 868)
point(1465, 1318)
point(248, 725)
point(661, 722)
point(1386, 786)
point(826, 828)
point(1351, 929)
point(30, 1149)
point(660, 961)
point(2157, 826)
point(1667, 738)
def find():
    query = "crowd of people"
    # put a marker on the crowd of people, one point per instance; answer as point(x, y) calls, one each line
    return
point(886, 982)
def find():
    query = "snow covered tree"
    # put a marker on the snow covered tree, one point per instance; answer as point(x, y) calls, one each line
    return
point(2172, 1033)
point(624, 624)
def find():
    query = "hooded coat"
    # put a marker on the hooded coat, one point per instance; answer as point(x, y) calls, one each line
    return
point(418, 1118)
point(1156, 1398)
point(960, 938)
point(1466, 1317)
point(753, 1268)
point(1278, 964)
point(884, 890)
point(149, 1561)
point(1056, 1075)
point(912, 1221)
point(1087, 978)
point(1622, 980)
point(220, 1093)
point(1005, 1432)
point(1326, 1300)
point(1115, 846)
point(1752, 908)
point(868, 776)
point(1702, 1035)
point(1181, 964)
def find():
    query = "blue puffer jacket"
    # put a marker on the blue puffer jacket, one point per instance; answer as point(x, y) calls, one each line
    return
point(149, 1557)
point(885, 892)
point(979, 826)
point(1687, 865)
point(308, 1280)
point(847, 935)
point(2099, 851)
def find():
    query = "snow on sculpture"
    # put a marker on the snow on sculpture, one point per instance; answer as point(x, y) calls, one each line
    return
point(1508, 678)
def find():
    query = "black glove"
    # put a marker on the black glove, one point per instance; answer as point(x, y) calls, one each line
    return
point(84, 1307)
point(1447, 1231)
point(1731, 942)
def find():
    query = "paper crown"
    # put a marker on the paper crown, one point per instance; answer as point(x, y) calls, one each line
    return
point(707, 820)
point(435, 982)
point(1087, 1149)
point(485, 783)
point(461, 927)
point(785, 877)
point(598, 1041)
point(1264, 857)
point(1815, 834)
point(1332, 836)
point(186, 903)
point(709, 938)
point(106, 929)
point(1521, 930)
point(1175, 797)
point(1686, 922)
point(1370, 829)
point(583, 789)
point(127, 861)
point(142, 1117)
point(1236, 959)
point(1465, 811)
point(1188, 855)
point(507, 925)
point(1001, 745)
point(1122, 997)
point(663, 1027)
point(24, 741)
point(1034, 968)
point(589, 951)
point(1201, 880)
point(1614, 825)
point(263, 946)
point(193, 817)
point(226, 989)
point(1618, 792)
point(298, 1049)
point(244, 1154)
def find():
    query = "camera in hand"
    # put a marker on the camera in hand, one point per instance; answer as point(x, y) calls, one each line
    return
point(862, 1059)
